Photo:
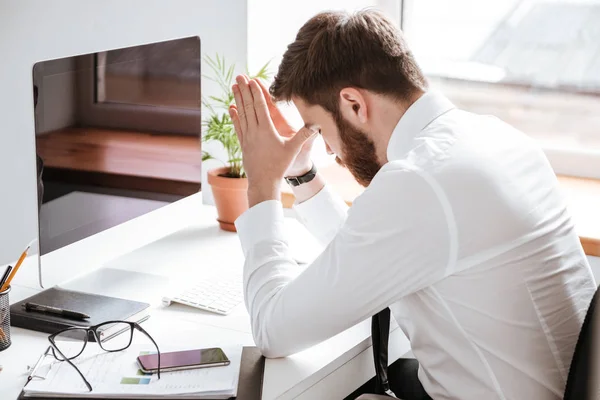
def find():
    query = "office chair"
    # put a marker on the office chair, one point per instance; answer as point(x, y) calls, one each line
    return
point(582, 383)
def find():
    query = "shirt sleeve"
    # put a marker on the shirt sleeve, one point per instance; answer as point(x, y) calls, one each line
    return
point(323, 214)
point(394, 242)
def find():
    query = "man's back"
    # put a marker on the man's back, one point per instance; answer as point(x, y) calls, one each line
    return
point(463, 234)
point(504, 321)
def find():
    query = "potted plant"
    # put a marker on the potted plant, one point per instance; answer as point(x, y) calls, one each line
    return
point(229, 184)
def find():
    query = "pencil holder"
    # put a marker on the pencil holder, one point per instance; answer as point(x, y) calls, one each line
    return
point(4, 320)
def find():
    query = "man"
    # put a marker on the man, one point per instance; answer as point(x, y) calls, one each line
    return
point(461, 231)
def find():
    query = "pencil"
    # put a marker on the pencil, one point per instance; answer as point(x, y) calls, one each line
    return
point(15, 269)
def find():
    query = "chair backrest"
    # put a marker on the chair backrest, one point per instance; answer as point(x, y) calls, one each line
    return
point(582, 383)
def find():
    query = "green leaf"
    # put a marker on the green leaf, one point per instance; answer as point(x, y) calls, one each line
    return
point(263, 73)
point(206, 156)
point(229, 76)
point(222, 102)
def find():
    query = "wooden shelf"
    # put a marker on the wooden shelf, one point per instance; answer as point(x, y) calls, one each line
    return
point(123, 159)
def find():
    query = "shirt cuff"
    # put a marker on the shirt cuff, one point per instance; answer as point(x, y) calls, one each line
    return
point(264, 221)
point(323, 214)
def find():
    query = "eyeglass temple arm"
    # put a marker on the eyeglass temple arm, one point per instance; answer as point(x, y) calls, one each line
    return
point(73, 365)
point(139, 328)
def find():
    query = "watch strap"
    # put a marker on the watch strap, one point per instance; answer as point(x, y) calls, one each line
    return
point(299, 180)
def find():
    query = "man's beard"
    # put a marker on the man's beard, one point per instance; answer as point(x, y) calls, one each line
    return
point(358, 151)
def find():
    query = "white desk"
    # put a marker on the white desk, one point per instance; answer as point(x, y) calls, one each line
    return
point(142, 257)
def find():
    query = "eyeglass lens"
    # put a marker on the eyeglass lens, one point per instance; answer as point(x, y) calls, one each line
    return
point(70, 343)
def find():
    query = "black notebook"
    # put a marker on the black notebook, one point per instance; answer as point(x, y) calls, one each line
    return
point(99, 308)
point(250, 384)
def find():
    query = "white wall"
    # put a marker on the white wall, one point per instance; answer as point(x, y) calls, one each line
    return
point(32, 31)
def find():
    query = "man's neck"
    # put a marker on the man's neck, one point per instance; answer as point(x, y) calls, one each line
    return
point(389, 114)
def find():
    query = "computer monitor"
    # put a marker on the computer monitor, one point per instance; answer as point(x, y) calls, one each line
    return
point(117, 136)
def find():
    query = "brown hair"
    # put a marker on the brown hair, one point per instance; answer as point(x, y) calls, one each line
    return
point(334, 50)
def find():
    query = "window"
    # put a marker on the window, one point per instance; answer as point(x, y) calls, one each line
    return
point(162, 74)
point(534, 64)
point(153, 87)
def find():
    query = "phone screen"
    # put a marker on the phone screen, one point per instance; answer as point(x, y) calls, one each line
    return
point(184, 358)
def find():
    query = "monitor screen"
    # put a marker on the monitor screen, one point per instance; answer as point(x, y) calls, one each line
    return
point(117, 136)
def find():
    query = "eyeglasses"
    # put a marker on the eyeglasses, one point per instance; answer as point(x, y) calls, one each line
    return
point(68, 353)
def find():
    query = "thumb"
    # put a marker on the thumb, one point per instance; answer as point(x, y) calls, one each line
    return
point(301, 137)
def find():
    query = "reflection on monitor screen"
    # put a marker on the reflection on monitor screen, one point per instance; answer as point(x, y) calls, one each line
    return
point(117, 136)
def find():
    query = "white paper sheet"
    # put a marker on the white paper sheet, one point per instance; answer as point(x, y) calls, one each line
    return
point(118, 375)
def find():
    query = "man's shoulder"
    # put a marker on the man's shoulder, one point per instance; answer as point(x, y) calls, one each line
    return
point(396, 181)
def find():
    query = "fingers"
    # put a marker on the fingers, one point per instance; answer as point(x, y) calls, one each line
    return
point(301, 137)
point(266, 93)
point(243, 125)
point(233, 113)
point(248, 101)
point(260, 104)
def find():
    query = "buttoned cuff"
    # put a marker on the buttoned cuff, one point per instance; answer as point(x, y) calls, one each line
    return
point(264, 221)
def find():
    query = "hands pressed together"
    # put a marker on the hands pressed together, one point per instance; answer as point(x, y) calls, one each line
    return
point(271, 148)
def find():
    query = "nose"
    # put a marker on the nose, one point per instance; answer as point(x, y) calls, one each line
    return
point(328, 149)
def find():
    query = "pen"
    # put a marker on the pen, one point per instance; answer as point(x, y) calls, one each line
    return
point(15, 269)
point(5, 276)
point(55, 310)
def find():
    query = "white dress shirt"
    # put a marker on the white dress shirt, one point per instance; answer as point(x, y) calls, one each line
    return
point(464, 234)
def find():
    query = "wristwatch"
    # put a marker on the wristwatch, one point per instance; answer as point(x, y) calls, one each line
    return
point(299, 180)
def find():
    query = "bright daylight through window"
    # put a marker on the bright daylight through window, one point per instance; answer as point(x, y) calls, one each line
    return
point(534, 64)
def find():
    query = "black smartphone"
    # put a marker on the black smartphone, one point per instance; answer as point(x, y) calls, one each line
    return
point(181, 360)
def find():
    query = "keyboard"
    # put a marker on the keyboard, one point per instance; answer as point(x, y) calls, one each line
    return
point(218, 293)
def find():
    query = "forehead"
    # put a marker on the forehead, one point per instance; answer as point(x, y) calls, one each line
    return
point(311, 114)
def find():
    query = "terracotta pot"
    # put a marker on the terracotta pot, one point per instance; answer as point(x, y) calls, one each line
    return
point(230, 196)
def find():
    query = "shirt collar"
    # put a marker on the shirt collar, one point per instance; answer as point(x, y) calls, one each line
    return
point(421, 113)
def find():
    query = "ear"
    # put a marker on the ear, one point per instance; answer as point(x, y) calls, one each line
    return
point(353, 105)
